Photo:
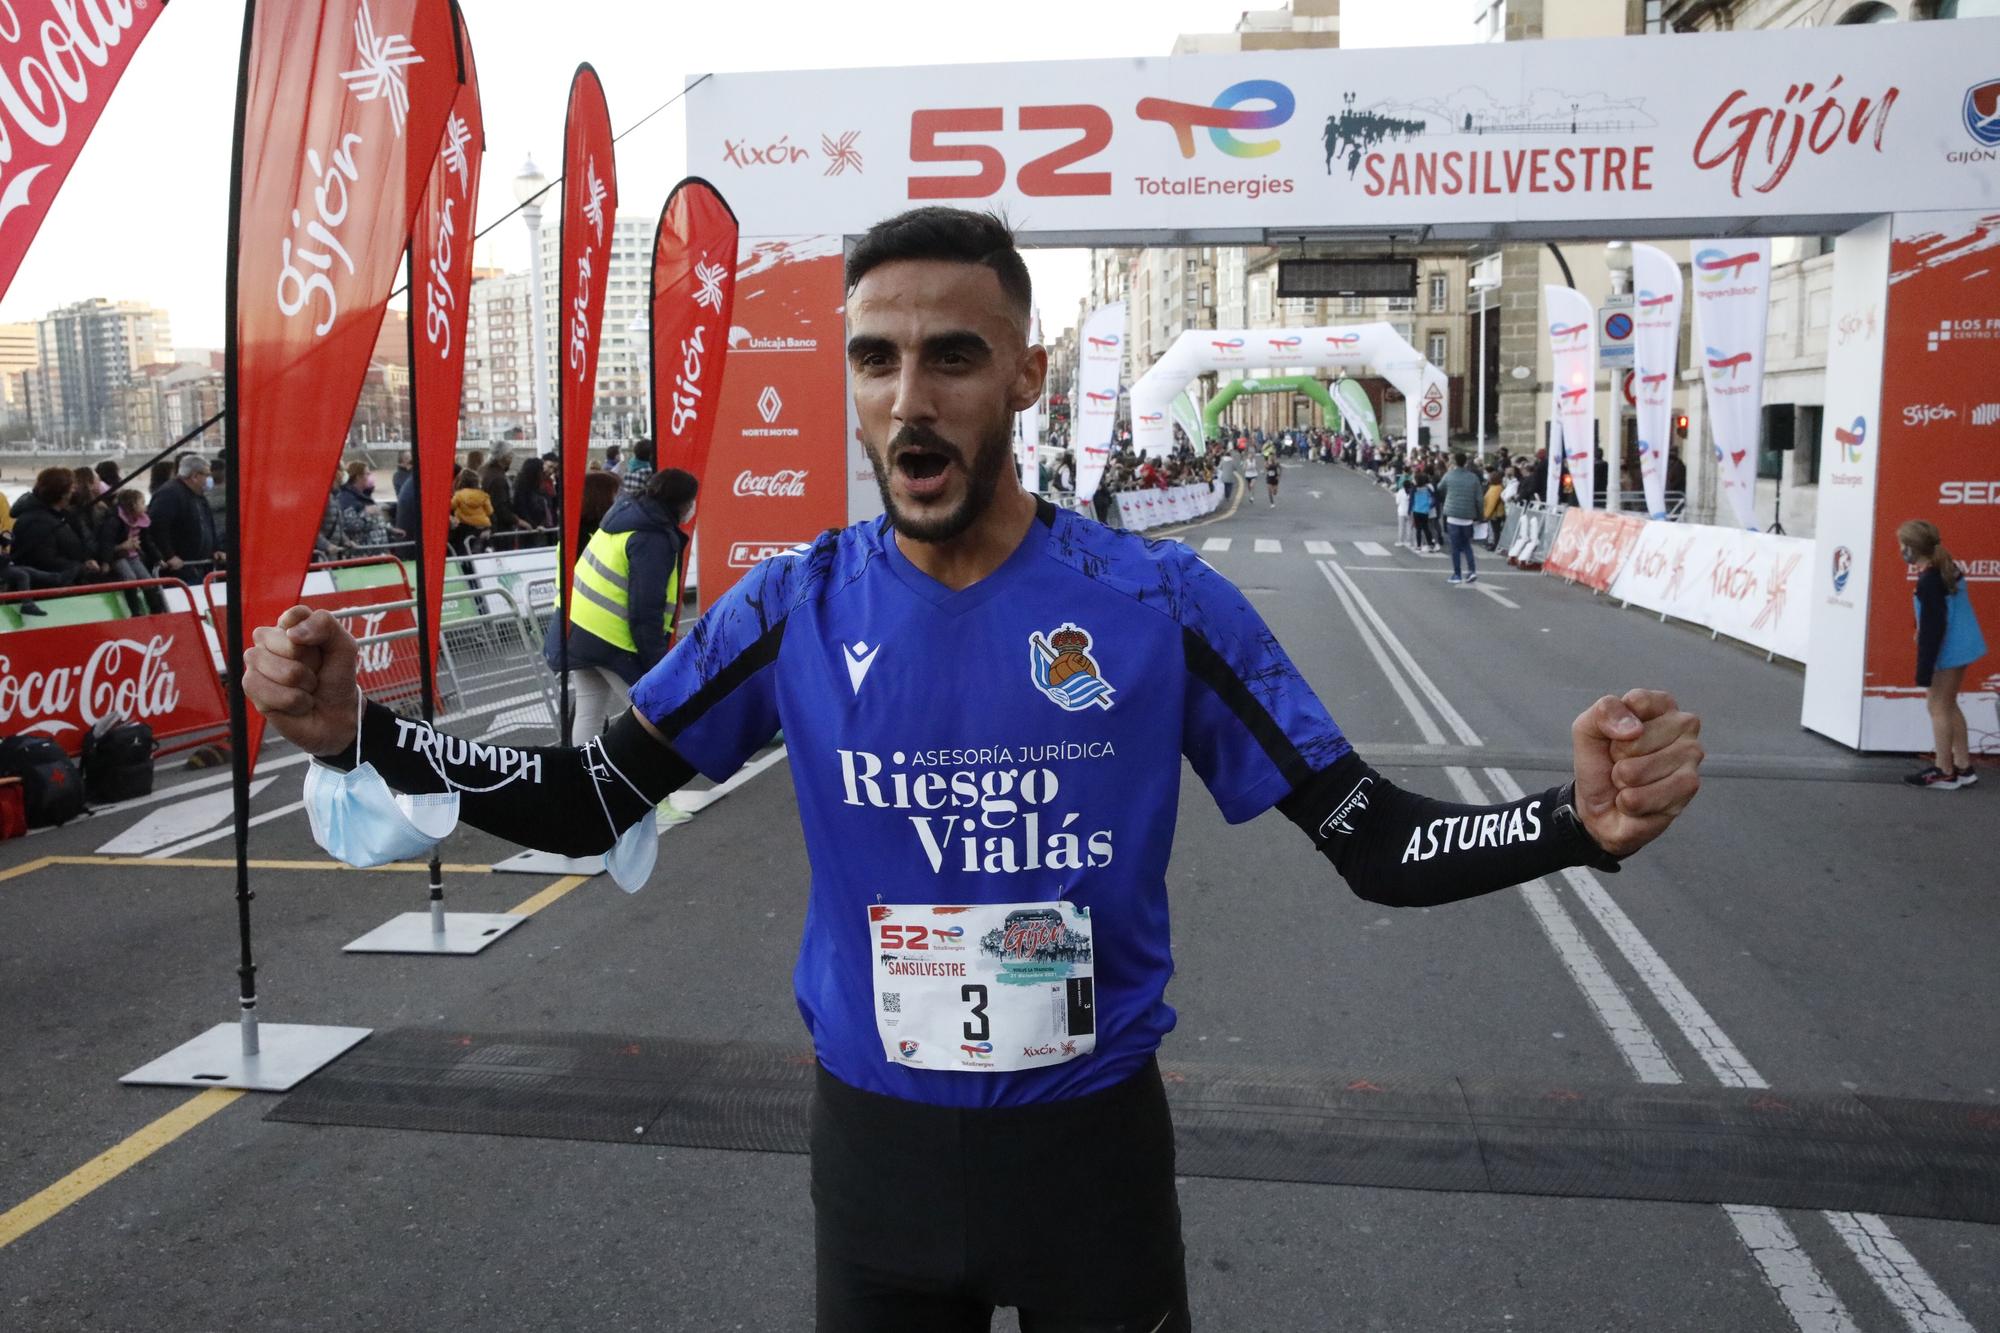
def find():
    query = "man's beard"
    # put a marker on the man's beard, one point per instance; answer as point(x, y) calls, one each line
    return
point(988, 464)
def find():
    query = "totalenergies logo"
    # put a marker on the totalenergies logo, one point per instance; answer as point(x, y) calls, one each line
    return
point(1285, 342)
point(1097, 397)
point(1152, 417)
point(1562, 333)
point(1724, 363)
point(1103, 344)
point(1851, 440)
point(1224, 117)
point(1226, 344)
point(1344, 339)
point(1713, 265)
point(1649, 301)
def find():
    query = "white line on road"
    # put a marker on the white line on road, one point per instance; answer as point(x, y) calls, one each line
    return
point(1216, 544)
point(1319, 548)
point(224, 832)
point(1466, 735)
point(170, 823)
point(1812, 1304)
point(1490, 591)
point(1369, 548)
point(1269, 546)
point(1429, 728)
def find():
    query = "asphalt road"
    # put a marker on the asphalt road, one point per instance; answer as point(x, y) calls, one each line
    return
point(1808, 925)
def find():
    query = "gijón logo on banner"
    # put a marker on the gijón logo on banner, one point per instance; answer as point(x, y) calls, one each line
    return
point(589, 214)
point(343, 108)
point(693, 299)
point(59, 61)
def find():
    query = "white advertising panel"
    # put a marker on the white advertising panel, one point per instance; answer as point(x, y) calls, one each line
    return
point(1095, 410)
point(1571, 346)
point(1732, 303)
point(1849, 451)
point(1568, 135)
point(1752, 586)
point(1656, 339)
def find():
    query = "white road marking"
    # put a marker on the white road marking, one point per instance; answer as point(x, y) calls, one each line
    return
point(170, 823)
point(1371, 548)
point(1488, 589)
point(1269, 546)
point(1313, 494)
point(1812, 1304)
point(225, 832)
point(1430, 731)
point(1319, 548)
point(1466, 735)
point(1216, 544)
point(692, 802)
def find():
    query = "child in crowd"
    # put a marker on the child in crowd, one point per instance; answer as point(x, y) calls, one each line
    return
point(471, 514)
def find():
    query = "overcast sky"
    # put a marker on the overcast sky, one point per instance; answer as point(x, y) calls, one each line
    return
point(142, 216)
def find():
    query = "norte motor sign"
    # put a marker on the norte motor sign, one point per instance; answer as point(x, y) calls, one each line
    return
point(59, 61)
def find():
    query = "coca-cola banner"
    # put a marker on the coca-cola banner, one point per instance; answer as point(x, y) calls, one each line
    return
point(693, 300)
point(62, 681)
point(781, 422)
point(340, 110)
point(440, 289)
point(59, 61)
point(1573, 347)
point(1094, 410)
point(1656, 341)
point(589, 213)
point(1732, 303)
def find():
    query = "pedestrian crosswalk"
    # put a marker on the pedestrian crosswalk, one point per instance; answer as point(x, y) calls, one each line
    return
point(1314, 546)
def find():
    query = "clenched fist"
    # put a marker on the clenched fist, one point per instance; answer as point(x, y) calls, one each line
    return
point(1638, 764)
point(300, 676)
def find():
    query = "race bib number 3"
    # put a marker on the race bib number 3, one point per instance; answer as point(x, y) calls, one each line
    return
point(983, 988)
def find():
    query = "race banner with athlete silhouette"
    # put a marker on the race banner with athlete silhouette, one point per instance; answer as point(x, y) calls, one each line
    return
point(441, 285)
point(340, 110)
point(1731, 296)
point(1573, 346)
point(693, 300)
point(61, 61)
point(1656, 340)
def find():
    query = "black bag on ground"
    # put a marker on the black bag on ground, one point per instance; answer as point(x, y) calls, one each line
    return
point(51, 785)
point(118, 764)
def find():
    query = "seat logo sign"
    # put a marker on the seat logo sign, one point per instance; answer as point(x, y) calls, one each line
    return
point(1226, 116)
point(1982, 112)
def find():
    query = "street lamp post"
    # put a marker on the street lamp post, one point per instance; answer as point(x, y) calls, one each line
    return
point(527, 186)
point(1483, 285)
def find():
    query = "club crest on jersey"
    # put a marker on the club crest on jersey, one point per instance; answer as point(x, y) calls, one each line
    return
point(1062, 668)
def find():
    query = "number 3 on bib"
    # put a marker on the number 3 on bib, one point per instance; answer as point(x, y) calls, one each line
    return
point(993, 987)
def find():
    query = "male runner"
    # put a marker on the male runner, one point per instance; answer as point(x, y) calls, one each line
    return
point(986, 701)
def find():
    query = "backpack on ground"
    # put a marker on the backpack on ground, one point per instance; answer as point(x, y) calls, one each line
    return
point(118, 762)
point(51, 784)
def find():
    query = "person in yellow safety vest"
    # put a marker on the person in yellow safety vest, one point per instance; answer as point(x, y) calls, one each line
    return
point(625, 596)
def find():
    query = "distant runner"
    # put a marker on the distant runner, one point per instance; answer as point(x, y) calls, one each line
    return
point(987, 702)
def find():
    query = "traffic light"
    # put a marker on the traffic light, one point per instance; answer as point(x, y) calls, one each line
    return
point(1681, 424)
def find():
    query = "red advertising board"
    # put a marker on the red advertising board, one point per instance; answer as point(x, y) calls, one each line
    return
point(1592, 546)
point(60, 682)
point(776, 474)
point(1940, 434)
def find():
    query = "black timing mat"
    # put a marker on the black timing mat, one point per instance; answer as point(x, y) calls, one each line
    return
point(1838, 1151)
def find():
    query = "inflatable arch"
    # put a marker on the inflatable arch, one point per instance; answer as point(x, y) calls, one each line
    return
point(1211, 415)
point(1332, 347)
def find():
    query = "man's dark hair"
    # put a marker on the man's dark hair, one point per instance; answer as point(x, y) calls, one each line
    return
point(955, 234)
point(642, 449)
point(1459, 458)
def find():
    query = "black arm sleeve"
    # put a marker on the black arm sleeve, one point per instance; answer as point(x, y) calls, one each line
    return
point(1404, 850)
point(1932, 616)
point(570, 800)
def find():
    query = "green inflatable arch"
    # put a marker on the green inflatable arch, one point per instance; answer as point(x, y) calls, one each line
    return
point(1211, 416)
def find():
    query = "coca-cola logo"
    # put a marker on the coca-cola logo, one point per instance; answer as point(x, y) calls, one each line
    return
point(786, 483)
point(38, 92)
point(122, 678)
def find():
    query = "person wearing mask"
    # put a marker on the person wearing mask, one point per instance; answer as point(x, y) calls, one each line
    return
point(534, 497)
point(471, 515)
point(1948, 641)
point(46, 543)
point(625, 598)
point(125, 547)
point(1460, 492)
point(614, 460)
point(183, 524)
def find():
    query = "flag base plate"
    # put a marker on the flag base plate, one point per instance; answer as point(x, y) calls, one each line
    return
point(417, 932)
point(287, 1053)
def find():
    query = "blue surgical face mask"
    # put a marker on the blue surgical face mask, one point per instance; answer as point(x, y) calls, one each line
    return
point(630, 860)
point(358, 820)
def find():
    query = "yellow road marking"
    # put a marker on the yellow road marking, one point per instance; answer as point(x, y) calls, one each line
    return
point(554, 891)
point(113, 1162)
point(26, 867)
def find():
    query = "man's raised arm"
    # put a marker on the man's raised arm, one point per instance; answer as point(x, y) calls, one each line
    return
point(1638, 760)
point(574, 801)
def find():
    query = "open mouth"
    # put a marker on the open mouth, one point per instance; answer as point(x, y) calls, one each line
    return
point(922, 470)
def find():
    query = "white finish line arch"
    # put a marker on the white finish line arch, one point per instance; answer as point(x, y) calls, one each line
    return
point(1349, 347)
